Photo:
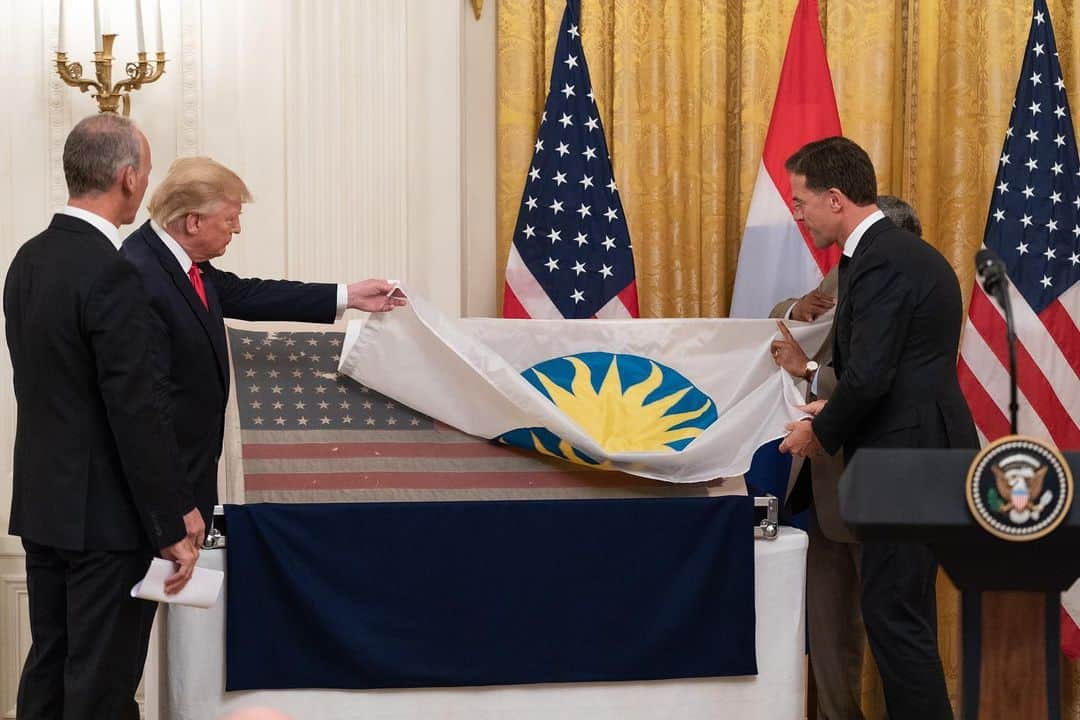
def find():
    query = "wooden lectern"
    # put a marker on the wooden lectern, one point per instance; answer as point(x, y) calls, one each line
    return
point(1011, 587)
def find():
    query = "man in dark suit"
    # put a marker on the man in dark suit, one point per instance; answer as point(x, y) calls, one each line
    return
point(897, 331)
point(834, 622)
point(95, 474)
point(195, 212)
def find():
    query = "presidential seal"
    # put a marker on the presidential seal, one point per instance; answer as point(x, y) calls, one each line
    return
point(1019, 488)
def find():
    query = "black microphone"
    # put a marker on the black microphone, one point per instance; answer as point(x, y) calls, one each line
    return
point(992, 271)
point(995, 281)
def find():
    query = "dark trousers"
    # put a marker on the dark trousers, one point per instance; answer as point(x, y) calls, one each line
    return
point(899, 608)
point(89, 636)
point(834, 624)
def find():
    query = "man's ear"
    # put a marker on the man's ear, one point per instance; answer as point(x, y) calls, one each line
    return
point(129, 179)
point(191, 223)
point(836, 200)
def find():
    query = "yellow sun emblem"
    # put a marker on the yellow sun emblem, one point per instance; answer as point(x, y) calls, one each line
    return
point(625, 403)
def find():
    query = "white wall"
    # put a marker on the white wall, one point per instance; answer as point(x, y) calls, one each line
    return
point(364, 128)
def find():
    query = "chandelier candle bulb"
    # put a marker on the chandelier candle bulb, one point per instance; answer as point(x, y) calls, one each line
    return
point(60, 27)
point(97, 26)
point(139, 27)
point(160, 43)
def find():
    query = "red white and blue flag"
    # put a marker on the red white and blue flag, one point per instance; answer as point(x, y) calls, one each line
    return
point(571, 255)
point(777, 259)
point(1034, 226)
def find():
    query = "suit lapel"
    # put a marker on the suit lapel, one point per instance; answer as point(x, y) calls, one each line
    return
point(847, 269)
point(843, 317)
point(211, 322)
point(216, 327)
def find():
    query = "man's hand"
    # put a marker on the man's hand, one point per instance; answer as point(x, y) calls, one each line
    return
point(812, 409)
point(184, 554)
point(788, 354)
point(373, 296)
point(811, 305)
point(801, 440)
point(196, 528)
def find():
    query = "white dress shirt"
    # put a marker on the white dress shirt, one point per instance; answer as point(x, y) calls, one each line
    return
point(174, 247)
point(101, 224)
point(850, 244)
point(856, 235)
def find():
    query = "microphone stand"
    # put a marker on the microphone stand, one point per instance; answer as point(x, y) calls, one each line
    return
point(994, 285)
point(994, 281)
point(992, 270)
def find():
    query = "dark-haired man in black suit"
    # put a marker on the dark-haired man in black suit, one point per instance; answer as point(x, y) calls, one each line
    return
point(897, 331)
point(95, 475)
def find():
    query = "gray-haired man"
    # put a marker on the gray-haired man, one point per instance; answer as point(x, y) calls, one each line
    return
point(95, 475)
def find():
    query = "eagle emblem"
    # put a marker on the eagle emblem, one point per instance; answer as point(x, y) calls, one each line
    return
point(1017, 487)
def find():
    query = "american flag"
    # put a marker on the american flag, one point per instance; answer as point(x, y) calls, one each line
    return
point(1034, 226)
point(308, 434)
point(571, 255)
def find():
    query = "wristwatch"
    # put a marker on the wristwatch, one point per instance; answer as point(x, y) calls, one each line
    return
point(811, 368)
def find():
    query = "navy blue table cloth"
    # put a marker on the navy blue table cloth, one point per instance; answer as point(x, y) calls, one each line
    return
point(426, 594)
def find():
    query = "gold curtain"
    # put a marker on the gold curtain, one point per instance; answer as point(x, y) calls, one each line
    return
point(685, 88)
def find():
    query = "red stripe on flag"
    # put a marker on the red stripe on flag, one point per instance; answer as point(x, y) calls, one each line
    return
point(469, 480)
point(629, 299)
point(512, 307)
point(1030, 378)
point(330, 450)
point(804, 110)
point(443, 427)
point(987, 415)
point(1070, 635)
point(1063, 330)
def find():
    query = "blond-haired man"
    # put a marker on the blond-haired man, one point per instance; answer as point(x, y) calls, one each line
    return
point(195, 213)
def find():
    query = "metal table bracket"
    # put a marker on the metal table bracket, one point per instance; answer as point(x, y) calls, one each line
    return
point(767, 508)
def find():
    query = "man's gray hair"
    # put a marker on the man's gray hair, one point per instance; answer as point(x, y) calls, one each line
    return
point(902, 214)
point(97, 148)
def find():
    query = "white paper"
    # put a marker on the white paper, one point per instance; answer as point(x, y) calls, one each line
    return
point(202, 589)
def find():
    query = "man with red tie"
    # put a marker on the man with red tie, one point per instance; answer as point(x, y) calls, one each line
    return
point(195, 213)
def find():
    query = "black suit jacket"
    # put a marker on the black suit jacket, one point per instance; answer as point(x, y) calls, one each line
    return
point(897, 331)
point(94, 467)
point(191, 351)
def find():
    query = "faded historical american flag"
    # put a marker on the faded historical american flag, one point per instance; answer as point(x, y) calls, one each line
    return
point(309, 434)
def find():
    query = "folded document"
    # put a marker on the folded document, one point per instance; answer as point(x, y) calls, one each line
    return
point(201, 591)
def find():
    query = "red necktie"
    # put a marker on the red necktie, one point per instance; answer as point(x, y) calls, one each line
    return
point(196, 280)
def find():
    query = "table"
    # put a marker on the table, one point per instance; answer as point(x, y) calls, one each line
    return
point(193, 663)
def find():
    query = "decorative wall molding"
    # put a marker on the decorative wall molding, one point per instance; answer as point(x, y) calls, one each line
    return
point(188, 136)
point(14, 618)
point(59, 111)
